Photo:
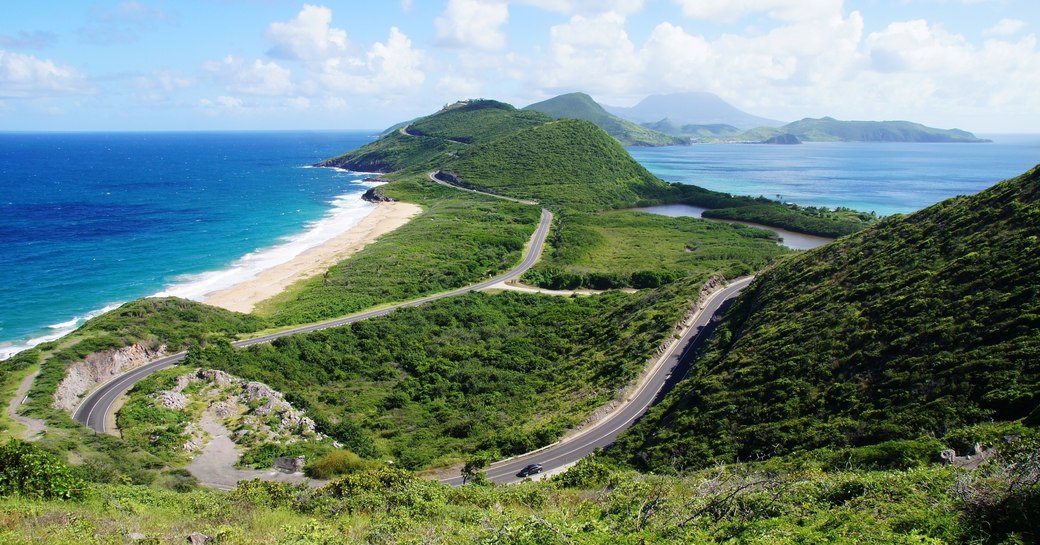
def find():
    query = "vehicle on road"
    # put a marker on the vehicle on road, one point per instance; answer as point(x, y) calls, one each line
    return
point(529, 470)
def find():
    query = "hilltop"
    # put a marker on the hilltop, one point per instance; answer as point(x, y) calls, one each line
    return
point(828, 129)
point(582, 106)
point(920, 327)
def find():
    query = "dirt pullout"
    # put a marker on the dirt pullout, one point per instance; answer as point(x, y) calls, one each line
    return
point(215, 465)
point(34, 427)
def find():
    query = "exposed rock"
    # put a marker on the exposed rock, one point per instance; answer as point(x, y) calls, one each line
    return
point(971, 460)
point(375, 195)
point(220, 378)
point(136, 536)
point(223, 409)
point(255, 391)
point(98, 367)
point(182, 382)
point(172, 400)
point(198, 538)
point(290, 464)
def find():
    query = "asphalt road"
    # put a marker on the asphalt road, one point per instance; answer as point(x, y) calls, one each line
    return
point(606, 431)
point(94, 409)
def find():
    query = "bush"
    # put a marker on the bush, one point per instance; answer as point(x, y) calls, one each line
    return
point(339, 462)
point(26, 470)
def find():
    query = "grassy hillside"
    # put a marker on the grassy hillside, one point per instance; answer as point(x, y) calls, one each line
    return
point(919, 326)
point(622, 249)
point(501, 373)
point(828, 129)
point(567, 162)
point(582, 106)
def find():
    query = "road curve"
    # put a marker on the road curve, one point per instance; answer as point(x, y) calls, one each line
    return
point(604, 433)
point(94, 409)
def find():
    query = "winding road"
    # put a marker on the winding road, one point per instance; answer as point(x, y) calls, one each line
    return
point(93, 411)
point(659, 380)
point(95, 408)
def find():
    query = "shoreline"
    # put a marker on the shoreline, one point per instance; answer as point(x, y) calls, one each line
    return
point(245, 295)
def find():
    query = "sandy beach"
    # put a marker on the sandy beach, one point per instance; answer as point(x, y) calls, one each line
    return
point(244, 296)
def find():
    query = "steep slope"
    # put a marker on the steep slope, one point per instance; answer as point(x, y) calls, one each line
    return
point(567, 162)
point(696, 108)
point(828, 129)
point(582, 106)
point(919, 326)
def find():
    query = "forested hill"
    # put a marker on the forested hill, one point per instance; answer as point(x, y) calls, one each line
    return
point(582, 106)
point(919, 326)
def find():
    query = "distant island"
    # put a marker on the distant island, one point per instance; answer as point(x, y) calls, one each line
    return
point(828, 129)
point(683, 118)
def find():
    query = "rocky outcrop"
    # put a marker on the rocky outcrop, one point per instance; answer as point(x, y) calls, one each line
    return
point(99, 367)
point(377, 196)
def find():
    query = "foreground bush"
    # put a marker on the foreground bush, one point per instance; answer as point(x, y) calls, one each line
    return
point(26, 470)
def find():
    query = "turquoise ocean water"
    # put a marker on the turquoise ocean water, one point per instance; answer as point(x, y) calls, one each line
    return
point(88, 221)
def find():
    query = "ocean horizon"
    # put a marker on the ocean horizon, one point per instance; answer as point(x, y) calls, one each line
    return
point(92, 220)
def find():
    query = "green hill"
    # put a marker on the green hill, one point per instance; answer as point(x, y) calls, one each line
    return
point(828, 129)
point(920, 326)
point(582, 106)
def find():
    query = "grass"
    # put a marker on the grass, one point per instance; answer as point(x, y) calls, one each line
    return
point(460, 238)
point(623, 248)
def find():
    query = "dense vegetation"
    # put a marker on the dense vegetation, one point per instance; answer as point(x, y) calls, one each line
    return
point(590, 504)
point(828, 129)
point(500, 373)
point(459, 239)
point(624, 249)
point(920, 326)
point(582, 106)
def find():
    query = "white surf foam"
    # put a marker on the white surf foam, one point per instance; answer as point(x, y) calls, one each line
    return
point(10, 348)
point(347, 211)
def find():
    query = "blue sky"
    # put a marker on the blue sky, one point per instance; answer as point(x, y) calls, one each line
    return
point(274, 64)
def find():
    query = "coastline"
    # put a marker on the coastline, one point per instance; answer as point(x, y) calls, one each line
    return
point(245, 295)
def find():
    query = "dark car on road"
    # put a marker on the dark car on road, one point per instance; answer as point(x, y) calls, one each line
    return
point(529, 470)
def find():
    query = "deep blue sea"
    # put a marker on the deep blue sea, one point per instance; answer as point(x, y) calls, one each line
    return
point(88, 221)
point(883, 177)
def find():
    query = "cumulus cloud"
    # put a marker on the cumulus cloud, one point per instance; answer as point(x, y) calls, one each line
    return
point(253, 78)
point(472, 23)
point(27, 76)
point(307, 37)
point(591, 49)
point(393, 66)
point(784, 10)
point(1006, 27)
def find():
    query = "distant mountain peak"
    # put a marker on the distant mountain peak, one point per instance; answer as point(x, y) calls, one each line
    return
point(691, 108)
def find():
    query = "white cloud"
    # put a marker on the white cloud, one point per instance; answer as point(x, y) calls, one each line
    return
point(588, 7)
point(1006, 27)
point(391, 67)
point(307, 37)
point(784, 10)
point(223, 103)
point(299, 103)
point(472, 23)
point(591, 50)
point(256, 78)
point(27, 76)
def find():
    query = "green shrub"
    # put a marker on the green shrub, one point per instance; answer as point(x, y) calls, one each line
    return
point(26, 470)
point(338, 462)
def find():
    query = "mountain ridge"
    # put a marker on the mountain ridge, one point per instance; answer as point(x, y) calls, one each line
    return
point(582, 106)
